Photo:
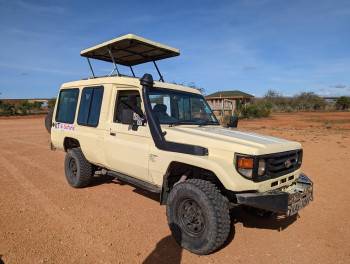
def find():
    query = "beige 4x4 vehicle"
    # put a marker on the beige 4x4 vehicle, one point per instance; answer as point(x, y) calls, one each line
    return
point(164, 138)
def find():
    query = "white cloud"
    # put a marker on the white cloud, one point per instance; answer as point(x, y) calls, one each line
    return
point(334, 92)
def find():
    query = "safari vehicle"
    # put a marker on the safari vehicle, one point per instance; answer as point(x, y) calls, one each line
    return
point(164, 138)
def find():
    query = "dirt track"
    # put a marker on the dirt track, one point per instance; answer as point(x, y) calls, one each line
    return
point(43, 220)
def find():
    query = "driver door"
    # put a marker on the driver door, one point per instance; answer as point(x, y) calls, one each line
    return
point(127, 149)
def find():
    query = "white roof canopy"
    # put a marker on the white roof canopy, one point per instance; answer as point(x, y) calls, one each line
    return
point(130, 50)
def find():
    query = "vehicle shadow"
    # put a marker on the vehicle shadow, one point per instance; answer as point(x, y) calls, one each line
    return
point(250, 220)
point(105, 179)
point(150, 195)
point(167, 251)
point(101, 179)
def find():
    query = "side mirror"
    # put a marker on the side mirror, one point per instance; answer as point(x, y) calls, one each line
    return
point(233, 121)
point(129, 117)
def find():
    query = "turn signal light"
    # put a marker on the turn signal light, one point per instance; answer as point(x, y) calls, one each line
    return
point(245, 163)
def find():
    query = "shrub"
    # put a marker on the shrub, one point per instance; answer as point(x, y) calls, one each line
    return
point(7, 109)
point(51, 103)
point(22, 108)
point(27, 107)
point(343, 103)
point(255, 110)
point(306, 101)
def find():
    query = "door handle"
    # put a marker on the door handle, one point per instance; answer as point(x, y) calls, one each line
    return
point(112, 132)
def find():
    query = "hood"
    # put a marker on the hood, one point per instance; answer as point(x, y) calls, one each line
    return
point(216, 137)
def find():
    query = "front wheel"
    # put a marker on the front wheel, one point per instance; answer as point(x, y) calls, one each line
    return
point(198, 216)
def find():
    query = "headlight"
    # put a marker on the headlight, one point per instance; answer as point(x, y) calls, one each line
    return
point(249, 166)
point(245, 166)
point(262, 167)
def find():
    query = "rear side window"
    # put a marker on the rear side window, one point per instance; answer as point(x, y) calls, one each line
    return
point(67, 105)
point(90, 106)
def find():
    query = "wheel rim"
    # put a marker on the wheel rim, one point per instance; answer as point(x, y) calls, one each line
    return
point(73, 168)
point(191, 217)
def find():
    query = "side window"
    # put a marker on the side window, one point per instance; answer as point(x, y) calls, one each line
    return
point(126, 99)
point(90, 106)
point(67, 105)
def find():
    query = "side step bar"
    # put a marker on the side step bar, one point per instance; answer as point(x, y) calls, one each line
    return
point(135, 182)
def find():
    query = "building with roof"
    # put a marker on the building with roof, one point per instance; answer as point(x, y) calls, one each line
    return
point(225, 102)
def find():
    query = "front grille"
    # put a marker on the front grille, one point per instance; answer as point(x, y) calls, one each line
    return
point(283, 163)
point(277, 164)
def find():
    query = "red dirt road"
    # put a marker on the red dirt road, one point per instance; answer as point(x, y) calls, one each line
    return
point(43, 220)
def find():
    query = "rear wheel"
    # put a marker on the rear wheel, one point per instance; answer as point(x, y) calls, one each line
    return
point(198, 216)
point(79, 172)
point(48, 120)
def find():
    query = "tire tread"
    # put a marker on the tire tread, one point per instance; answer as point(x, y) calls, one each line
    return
point(221, 214)
point(86, 169)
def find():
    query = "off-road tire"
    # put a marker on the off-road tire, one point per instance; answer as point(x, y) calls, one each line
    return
point(79, 172)
point(213, 211)
point(48, 120)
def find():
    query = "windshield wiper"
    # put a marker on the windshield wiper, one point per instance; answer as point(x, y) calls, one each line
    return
point(175, 123)
point(198, 122)
point(205, 123)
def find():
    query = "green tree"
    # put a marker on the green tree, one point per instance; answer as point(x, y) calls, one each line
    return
point(7, 109)
point(256, 109)
point(308, 101)
point(27, 107)
point(51, 103)
point(343, 103)
point(276, 101)
point(272, 94)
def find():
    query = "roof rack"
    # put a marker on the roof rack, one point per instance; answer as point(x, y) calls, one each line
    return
point(129, 50)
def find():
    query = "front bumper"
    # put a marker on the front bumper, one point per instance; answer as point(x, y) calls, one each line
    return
point(288, 201)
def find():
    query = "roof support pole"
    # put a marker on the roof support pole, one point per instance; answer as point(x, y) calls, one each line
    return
point(160, 75)
point(133, 74)
point(115, 65)
point(92, 71)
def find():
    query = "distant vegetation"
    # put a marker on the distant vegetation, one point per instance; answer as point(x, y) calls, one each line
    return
point(23, 107)
point(275, 102)
point(343, 103)
point(256, 109)
point(52, 103)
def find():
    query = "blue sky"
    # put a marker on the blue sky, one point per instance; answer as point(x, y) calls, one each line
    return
point(253, 46)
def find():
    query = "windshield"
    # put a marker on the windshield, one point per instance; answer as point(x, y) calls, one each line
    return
point(176, 107)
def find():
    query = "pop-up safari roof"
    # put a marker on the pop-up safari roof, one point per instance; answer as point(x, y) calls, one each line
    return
point(129, 50)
